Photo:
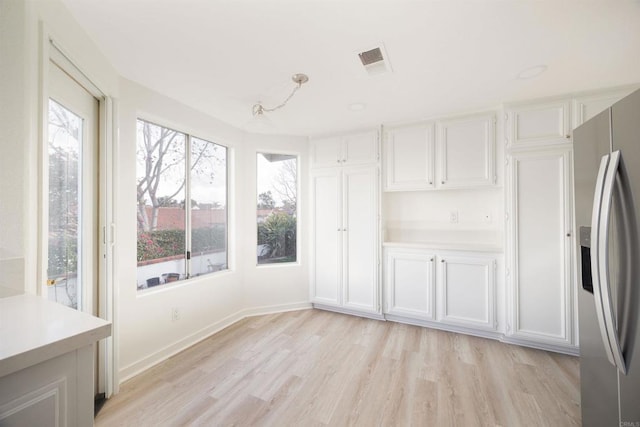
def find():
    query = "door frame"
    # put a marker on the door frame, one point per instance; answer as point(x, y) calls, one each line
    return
point(51, 51)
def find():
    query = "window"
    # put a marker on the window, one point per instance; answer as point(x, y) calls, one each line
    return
point(277, 208)
point(179, 239)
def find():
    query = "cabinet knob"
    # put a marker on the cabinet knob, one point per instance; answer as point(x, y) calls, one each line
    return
point(568, 136)
point(441, 260)
point(430, 182)
point(431, 260)
point(568, 234)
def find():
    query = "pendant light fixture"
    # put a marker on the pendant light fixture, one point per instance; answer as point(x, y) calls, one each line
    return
point(260, 122)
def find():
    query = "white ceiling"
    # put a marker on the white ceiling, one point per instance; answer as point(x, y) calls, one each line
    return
point(222, 56)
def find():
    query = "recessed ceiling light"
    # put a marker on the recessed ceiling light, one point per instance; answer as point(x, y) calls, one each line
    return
point(531, 72)
point(357, 106)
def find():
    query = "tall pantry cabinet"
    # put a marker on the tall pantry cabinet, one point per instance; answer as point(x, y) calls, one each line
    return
point(345, 245)
point(540, 274)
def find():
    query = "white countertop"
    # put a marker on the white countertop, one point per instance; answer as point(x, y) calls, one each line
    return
point(446, 246)
point(33, 329)
point(455, 240)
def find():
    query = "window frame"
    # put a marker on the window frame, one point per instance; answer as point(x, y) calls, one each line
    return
point(189, 277)
point(299, 202)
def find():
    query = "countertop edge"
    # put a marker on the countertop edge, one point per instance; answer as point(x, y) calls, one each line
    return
point(473, 247)
point(50, 351)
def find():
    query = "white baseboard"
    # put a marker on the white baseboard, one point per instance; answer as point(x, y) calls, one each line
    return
point(368, 315)
point(570, 350)
point(444, 327)
point(163, 354)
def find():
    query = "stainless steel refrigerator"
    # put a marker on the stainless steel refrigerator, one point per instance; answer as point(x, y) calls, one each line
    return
point(607, 199)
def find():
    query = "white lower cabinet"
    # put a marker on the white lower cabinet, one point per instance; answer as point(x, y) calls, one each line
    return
point(409, 283)
point(466, 289)
point(451, 288)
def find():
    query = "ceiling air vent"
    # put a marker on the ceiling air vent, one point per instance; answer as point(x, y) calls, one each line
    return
point(375, 61)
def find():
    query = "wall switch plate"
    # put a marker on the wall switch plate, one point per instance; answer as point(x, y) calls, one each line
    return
point(175, 314)
point(453, 217)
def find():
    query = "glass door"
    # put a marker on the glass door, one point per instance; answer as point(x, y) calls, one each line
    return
point(72, 196)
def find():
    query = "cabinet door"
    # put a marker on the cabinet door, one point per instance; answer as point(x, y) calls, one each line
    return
point(465, 150)
point(326, 237)
point(409, 158)
point(360, 148)
point(467, 291)
point(326, 152)
point(586, 107)
point(360, 271)
point(409, 284)
point(539, 204)
point(540, 124)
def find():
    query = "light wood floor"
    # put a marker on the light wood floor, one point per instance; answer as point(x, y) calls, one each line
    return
point(316, 368)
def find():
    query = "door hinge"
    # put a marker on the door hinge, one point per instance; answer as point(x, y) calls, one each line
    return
point(188, 254)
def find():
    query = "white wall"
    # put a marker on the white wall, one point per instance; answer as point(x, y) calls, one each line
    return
point(274, 285)
point(146, 332)
point(23, 25)
point(14, 140)
point(206, 303)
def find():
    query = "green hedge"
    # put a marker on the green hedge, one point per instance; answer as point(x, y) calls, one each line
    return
point(166, 243)
point(278, 232)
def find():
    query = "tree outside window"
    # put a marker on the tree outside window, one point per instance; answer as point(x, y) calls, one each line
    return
point(277, 208)
point(179, 239)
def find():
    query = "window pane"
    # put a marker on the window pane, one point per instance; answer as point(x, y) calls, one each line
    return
point(161, 204)
point(208, 207)
point(65, 141)
point(277, 208)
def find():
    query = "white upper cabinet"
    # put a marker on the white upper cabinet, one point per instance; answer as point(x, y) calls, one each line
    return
point(409, 157)
point(466, 151)
point(540, 124)
point(326, 152)
point(451, 153)
point(345, 150)
point(585, 107)
point(360, 148)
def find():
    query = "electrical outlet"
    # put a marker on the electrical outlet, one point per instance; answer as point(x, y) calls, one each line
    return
point(453, 217)
point(175, 314)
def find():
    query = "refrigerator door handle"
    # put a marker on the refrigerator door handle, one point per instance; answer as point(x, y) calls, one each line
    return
point(610, 332)
point(595, 264)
